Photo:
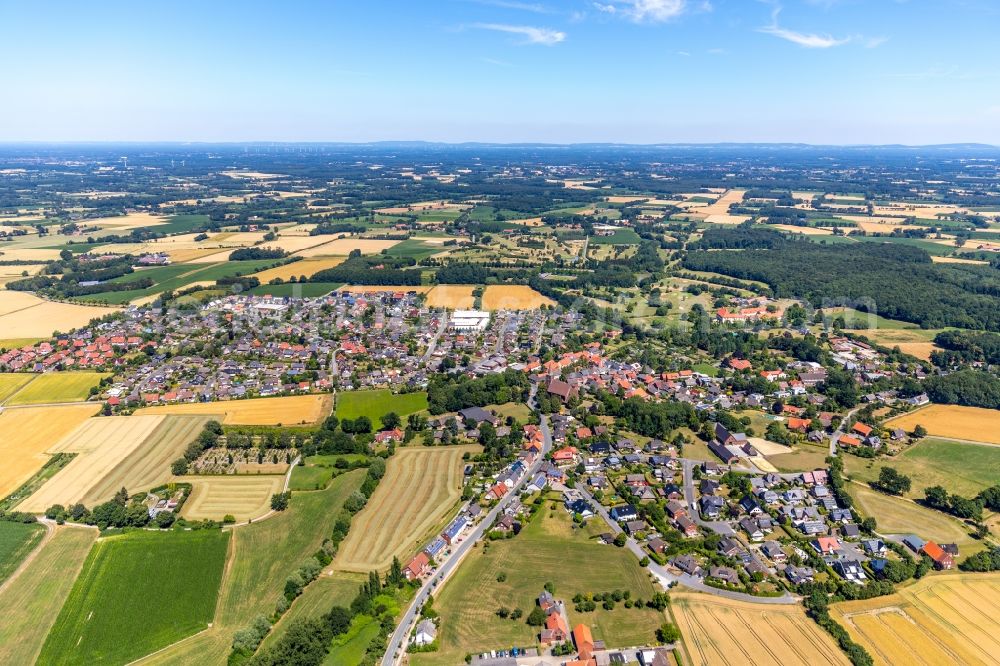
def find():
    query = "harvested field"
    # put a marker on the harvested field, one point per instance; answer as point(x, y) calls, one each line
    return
point(343, 247)
point(717, 630)
point(721, 205)
point(808, 231)
point(956, 260)
point(28, 254)
point(295, 243)
point(285, 410)
point(954, 422)
point(101, 444)
point(149, 464)
point(56, 387)
point(138, 592)
point(246, 497)
point(952, 618)
point(769, 448)
point(513, 297)
point(418, 493)
point(369, 289)
point(307, 267)
point(32, 601)
point(129, 221)
point(24, 315)
point(454, 296)
point(25, 434)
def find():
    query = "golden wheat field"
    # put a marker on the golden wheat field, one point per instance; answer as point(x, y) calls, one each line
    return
point(344, 246)
point(245, 497)
point(513, 297)
point(951, 618)
point(418, 493)
point(284, 410)
point(370, 289)
point(953, 421)
point(100, 444)
point(455, 296)
point(717, 630)
point(24, 315)
point(307, 267)
point(27, 432)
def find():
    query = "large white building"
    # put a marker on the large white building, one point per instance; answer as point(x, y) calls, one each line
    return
point(469, 320)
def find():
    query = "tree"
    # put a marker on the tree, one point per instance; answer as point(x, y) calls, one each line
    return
point(892, 482)
point(668, 633)
point(919, 431)
point(390, 421)
point(536, 618)
point(279, 501)
point(620, 540)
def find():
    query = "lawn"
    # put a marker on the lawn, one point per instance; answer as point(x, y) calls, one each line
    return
point(16, 541)
point(549, 549)
point(518, 410)
point(263, 555)
point(376, 404)
point(32, 601)
point(137, 593)
point(54, 387)
point(960, 467)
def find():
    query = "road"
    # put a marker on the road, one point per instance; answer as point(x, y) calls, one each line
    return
point(718, 526)
point(667, 577)
point(442, 327)
point(397, 643)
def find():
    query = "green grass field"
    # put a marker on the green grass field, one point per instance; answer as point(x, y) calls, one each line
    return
point(900, 516)
point(16, 541)
point(137, 593)
point(375, 404)
point(961, 468)
point(549, 549)
point(414, 248)
point(263, 555)
point(620, 237)
point(32, 601)
point(11, 383)
point(15, 343)
point(178, 224)
point(318, 471)
point(298, 290)
point(317, 599)
point(53, 387)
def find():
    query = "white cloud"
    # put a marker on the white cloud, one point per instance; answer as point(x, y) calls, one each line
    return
point(805, 39)
point(642, 11)
point(516, 5)
point(531, 34)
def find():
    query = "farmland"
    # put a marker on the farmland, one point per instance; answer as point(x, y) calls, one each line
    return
point(418, 493)
point(317, 471)
point(953, 421)
point(16, 541)
point(376, 404)
point(716, 630)
point(117, 611)
point(24, 315)
point(33, 600)
point(513, 297)
point(900, 516)
point(344, 246)
point(11, 383)
point(101, 445)
point(26, 433)
point(947, 619)
point(454, 296)
point(55, 387)
point(262, 555)
point(962, 467)
point(244, 496)
point(298, 268)
point(285, 410)
point(548, 550)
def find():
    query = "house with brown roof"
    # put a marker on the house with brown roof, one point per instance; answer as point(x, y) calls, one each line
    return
point(942, 559)
point(584, 641)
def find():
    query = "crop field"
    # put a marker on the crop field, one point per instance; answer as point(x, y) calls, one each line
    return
point(261, 558)
point(342, 247)
point(296, 289)
point(24, 315)
point(244, 496)
point(295, 269)
point(283, 410)
point(417, 495)
point(550, 549)
point(138, 592)
point(101, 445)
point(149, 464)
point(620, 237)
point(11, 383)
point(454, 296)
point(378, 403)
point(179, 276)
point(961, 467)
point(32, 601)
point(368, 289)
point(717, 630)
point(26, 433)
point(954, 422)
point(54, 387)
point(900, 516)
point(513, 297)
point(948, 619)
point(16, 541)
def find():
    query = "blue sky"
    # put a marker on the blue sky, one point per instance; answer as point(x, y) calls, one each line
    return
point(638, 71)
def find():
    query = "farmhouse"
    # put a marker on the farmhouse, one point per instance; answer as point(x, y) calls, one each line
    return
point(417, 567)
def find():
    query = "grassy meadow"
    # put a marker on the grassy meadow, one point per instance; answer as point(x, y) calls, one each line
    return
point(16, 541)
point(376, 404)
